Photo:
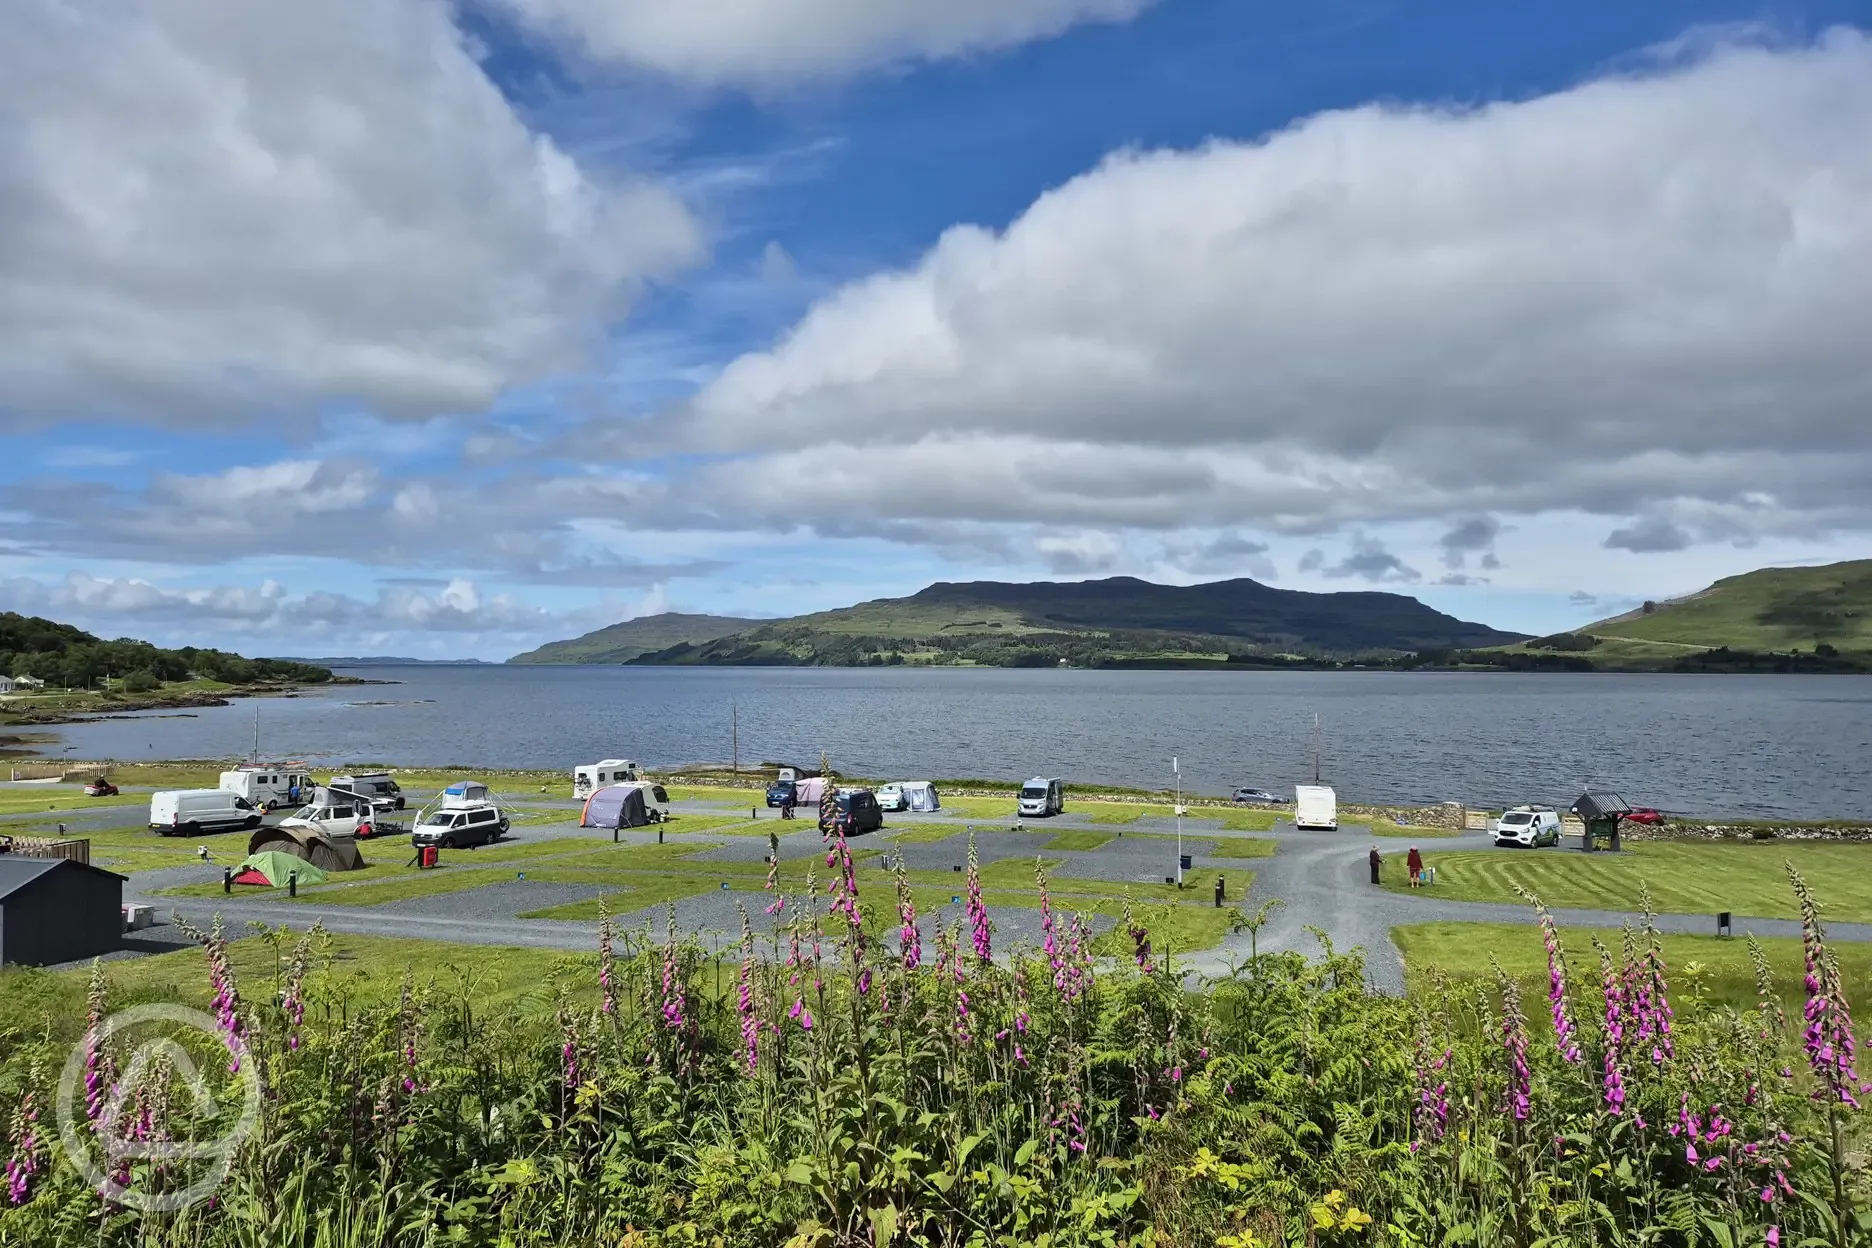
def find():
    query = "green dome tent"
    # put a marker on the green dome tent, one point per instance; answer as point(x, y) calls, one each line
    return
point(275, 868)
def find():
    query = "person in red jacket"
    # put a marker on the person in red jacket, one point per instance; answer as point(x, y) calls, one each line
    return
point(1414, 861)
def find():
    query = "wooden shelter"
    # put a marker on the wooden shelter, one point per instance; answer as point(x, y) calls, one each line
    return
point(1601, 813)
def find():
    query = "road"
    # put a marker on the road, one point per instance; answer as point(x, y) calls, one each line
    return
point(1322, 879)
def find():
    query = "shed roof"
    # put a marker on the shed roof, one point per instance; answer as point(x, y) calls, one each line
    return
point(18, 870)
point(1600, 806)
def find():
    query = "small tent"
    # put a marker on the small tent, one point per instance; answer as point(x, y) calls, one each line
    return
point(272, 868)
point(465, 793)
point(810, 791)
point(920, 795)
point(615, 806)
point(339, 853)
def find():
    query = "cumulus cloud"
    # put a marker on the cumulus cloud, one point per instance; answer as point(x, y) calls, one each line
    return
point(218, 207)
point(766, 43)
point(1370, 560)
point(1227, 554)
point(112, 603)
point(1650, 535)
point(1644, 286)
point(1473, 535)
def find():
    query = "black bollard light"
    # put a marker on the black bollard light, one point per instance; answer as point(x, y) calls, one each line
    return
point(1221, 891)
point(292, 884)
point(227, 879)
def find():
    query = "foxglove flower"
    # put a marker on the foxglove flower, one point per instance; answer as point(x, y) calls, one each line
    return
point(979, 927)
point(1828, 1034)
point(1517, 1100)
point(909, 938)
point(1564, 1038)
point(744, 996)
point(1614, 1079)
point(23, 1163)
point(607, 985)
point(773, 874)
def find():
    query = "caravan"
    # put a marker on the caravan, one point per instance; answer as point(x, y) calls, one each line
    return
point(1315, 807)
point(269, 785)
point(589, 777)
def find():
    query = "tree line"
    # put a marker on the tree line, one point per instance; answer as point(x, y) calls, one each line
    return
point(66, 657)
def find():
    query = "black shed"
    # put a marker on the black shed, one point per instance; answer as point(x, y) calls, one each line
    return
point(56, 910)
point(1601, 812)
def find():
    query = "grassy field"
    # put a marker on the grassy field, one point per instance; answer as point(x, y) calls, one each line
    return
point(366, 968)
point(1405, 831)
point(1083, 842)
point(1744, 878)
point(1716, 969)
point(1768, 609)
point(1242, 847)
point(60, 797)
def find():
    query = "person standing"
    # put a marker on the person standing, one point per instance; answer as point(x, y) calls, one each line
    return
point(1414, 861)
point(1375, 860)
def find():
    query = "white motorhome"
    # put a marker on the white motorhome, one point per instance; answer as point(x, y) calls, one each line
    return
point(178, 812)
point(1041, 797)
point(1315, 806)
point(268, 785)
point(590, 777)
point(377, 786)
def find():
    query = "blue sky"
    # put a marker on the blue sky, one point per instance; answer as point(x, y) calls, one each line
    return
point(418, 329)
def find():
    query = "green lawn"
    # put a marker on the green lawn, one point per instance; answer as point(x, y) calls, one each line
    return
point(927, 834)
point(1078, 841)
point(61, 797)
point(1244, 818)
point(1242, 847)
point(365, 967)
point(1125, 812)
point(1406, 832)
point(1717, 968)
point(1684, 877)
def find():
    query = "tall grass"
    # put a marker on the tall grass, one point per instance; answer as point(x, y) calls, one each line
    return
point(854, 1083)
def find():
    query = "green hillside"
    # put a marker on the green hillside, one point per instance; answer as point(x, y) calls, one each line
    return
point(1120, 621)
point(1769, 609)
point(620, 643)
point(65, 657)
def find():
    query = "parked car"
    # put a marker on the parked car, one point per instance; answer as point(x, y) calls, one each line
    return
point(1254, 795)
point(460, 829)
point(855, 812)
point(891, 797)
point(1528, 827)
point(100, 788)
point(779, 791)
point(1644, 814)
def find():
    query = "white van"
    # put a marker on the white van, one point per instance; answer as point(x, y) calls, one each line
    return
point(179, 812)
point(590, 777)
point(1040, 797)
point(376, 785)
point(1315, 806)
point(1528, 827)
point(268, 787)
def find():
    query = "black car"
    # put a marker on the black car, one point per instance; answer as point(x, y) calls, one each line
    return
point(855, 814)
point(779, 791)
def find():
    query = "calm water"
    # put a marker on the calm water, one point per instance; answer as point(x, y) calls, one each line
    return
point(1764, 746)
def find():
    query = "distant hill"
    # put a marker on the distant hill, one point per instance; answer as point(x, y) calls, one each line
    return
point(1121, 621)
point(620, 643)
point(387, 660)
point(1768, 609)
point(1815, 620)
point(68, 657)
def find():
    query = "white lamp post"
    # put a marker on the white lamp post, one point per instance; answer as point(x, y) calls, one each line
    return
point(1178, 773)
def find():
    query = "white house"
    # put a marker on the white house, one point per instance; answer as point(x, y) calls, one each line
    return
point(6, 684)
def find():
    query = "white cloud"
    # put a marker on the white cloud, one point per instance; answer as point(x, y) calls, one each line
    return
point(215, 207)
point(774, 42)
point(111, 603)
point(1646, 287)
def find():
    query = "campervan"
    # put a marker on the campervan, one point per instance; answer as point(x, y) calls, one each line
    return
point(377, 786)
point(1315, 806)
point(1040, 798)
point(590, 776)
point(268, 786)
point(189, 811)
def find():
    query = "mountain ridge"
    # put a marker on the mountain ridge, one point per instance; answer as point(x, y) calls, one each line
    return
point(627, 639)
point(1113, 621)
